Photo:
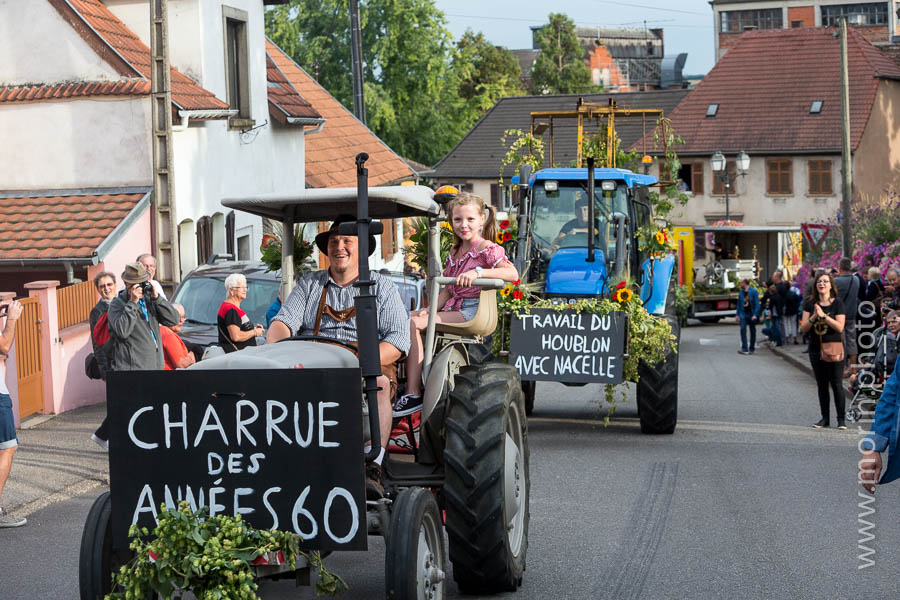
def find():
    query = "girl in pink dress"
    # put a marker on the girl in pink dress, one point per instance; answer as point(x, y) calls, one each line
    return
point(472, 256)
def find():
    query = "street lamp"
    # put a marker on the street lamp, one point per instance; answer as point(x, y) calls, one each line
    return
point(720, 170)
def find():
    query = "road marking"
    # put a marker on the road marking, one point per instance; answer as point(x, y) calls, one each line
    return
point(710, 342)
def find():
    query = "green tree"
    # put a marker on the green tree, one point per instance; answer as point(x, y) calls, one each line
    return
point(560, 68)
point(412, 102)
point(485, 72)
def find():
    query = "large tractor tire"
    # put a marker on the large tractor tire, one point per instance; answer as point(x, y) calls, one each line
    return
point(97, 560)
point(487, 485)
point(415, 560)
point(657, 391)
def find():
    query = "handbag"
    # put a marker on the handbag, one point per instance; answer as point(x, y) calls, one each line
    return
point(832, 351)
point(92, 367)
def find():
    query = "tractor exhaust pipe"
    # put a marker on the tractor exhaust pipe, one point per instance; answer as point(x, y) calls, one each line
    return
point(590, 192)
point(366, 311)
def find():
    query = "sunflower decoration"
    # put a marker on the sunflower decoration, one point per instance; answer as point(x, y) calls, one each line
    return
point(623, 295)
point(512, 296)
point(657, 243)
point(447, 226)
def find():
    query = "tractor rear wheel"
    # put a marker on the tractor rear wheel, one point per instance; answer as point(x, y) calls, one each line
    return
point(657, 391)
point(487, 485)
point(415, 562)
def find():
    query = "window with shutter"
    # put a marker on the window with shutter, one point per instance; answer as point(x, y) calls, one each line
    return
point(204, 239)
point(323, 257)
point(778, 176)
point(495, 196)
point(697, 177)
point(388, 239)
point(820, 177)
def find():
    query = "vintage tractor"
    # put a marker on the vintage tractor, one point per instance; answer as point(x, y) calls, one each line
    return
point(560, 257)
point(465, 467)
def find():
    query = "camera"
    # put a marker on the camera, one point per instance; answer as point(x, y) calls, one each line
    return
point(146, 289)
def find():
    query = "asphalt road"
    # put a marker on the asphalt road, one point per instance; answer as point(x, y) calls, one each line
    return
point(745, 500)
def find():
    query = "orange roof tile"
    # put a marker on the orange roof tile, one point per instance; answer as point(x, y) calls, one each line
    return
point(764, 87)
point(108, 29)
point(32, 93)
point(63, 226)
point(331, 153)
point(284, 101)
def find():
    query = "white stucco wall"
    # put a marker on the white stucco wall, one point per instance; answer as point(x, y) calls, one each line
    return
point(749, 198)
point(53, 51)
point(82, 142)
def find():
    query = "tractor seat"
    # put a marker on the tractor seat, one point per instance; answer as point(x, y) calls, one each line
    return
point(483, 323)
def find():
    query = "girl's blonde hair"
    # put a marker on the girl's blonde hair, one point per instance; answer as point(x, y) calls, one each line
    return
point(489, 231)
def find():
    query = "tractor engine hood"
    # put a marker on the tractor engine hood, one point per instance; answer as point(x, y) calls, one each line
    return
point(569, 273)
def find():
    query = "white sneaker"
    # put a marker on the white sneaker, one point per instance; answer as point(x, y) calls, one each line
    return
point(102, 443)
point(7, 520)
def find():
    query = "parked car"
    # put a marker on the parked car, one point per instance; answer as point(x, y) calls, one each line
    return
point(203, 290)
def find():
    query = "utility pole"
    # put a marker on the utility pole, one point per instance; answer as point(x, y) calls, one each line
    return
point(359, 101)
point(846, 167)
point(163, 236)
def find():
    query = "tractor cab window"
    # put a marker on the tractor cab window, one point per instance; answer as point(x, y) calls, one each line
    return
point(560, 216)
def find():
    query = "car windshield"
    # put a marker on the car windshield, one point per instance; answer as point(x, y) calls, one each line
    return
point(202, 296)
point(557, 223)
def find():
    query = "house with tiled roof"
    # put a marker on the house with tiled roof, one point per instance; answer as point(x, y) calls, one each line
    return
point(776, 96)
point(75, 111)
point(331, 152)
point(474, 163)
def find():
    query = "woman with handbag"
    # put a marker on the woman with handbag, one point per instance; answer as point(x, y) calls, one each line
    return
point(235, 329)
point(823, 317)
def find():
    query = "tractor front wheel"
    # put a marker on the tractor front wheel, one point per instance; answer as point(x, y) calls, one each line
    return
point(657, 391)
point(415, 563)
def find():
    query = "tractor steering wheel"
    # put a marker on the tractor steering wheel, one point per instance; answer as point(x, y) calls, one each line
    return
point(321, 338)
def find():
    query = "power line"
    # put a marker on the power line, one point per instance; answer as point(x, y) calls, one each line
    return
point(630, 5)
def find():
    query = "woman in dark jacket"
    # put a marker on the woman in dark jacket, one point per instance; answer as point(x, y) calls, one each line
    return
point(823, 317)
point(106, 285)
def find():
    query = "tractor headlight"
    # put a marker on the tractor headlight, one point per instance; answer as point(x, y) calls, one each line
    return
point(551, 186)
point(608, 185)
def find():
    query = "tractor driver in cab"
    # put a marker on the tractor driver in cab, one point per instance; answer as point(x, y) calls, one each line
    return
point(578, 225)
point(322, 304)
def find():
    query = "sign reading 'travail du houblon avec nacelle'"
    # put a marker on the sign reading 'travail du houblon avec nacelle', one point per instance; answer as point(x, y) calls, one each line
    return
point(567, 346)
point(282, 448)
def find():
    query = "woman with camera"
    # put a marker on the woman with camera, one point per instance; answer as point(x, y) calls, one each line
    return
point(134, 316)
point(823, 317)
point(235, 329)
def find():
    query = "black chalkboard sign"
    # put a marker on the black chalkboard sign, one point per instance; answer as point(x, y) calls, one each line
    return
point(283, 448)
point(565, 346)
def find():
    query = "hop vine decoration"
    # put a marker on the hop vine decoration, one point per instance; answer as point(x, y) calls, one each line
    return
point(524, 149)
point(208, 556)
point(271, 251)
point(417, 247)
point(657, 243)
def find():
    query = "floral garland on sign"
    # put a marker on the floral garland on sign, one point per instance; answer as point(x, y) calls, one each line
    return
point(650, 336)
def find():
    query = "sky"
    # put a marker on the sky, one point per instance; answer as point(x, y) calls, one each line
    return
point(687, 24)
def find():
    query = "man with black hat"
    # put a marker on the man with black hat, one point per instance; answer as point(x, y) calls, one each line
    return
point(577, 225)
point(322, 304)
point(134, 320)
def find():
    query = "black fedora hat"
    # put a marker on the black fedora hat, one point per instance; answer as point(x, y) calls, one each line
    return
point(322, 238)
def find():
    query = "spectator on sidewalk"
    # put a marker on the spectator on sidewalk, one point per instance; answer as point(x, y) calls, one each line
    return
point(149, 262)
point(106, 286)
point(892, 286)
point(791, 314)
point(175, 353)
point(747, 315)
point(848, 292)
point(823, 317)
point(773, 308)
point(10, 311)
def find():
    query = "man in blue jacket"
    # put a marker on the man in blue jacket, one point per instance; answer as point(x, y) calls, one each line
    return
point(882, 436)
point(747, 315)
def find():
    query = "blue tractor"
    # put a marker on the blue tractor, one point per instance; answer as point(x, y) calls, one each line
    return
point(560, 256)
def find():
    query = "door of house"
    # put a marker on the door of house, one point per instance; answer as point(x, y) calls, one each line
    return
point(28, 359)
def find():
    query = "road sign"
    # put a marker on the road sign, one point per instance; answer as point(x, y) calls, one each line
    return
point(815, 233)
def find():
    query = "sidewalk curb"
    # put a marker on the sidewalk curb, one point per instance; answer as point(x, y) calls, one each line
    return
point(70, 491)
point(793, 360)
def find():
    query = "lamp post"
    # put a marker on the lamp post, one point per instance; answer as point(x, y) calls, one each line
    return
point(720, 170)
